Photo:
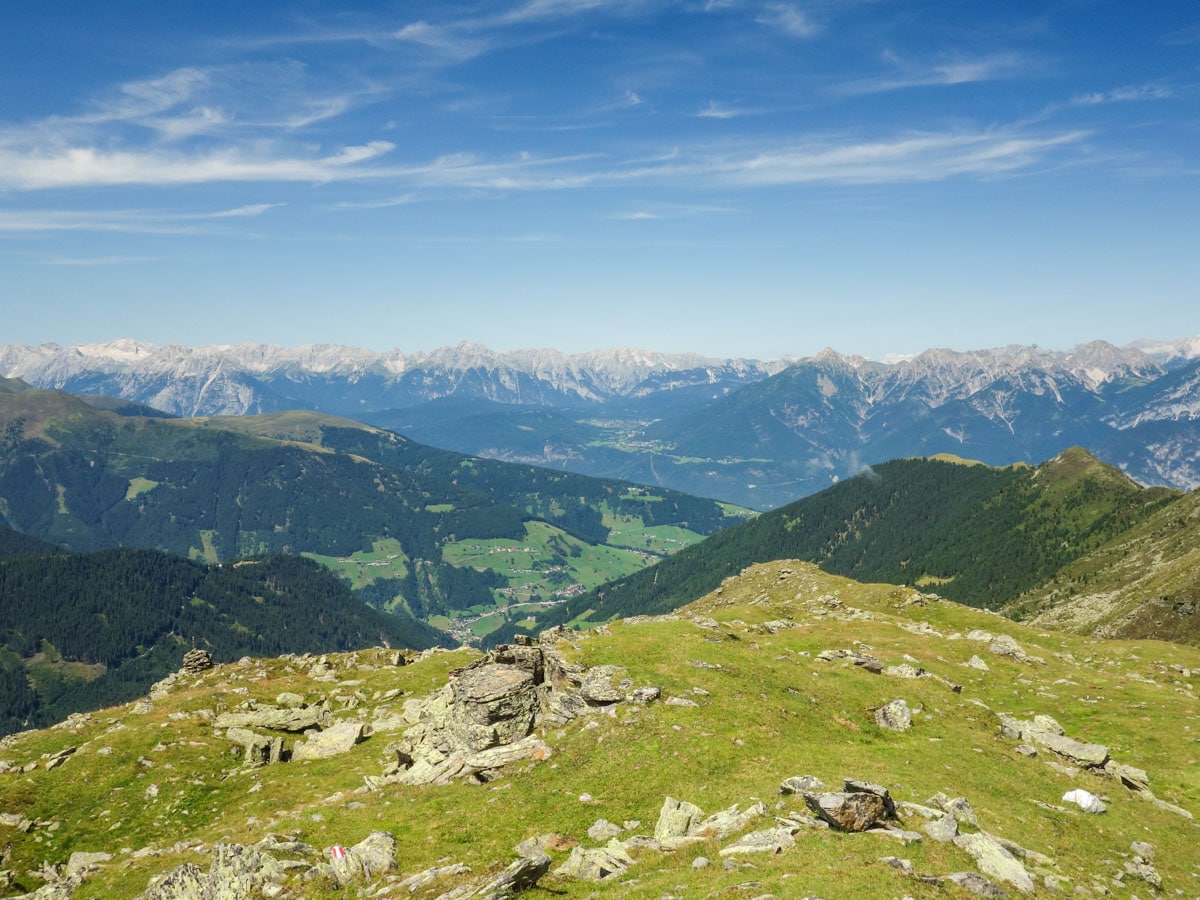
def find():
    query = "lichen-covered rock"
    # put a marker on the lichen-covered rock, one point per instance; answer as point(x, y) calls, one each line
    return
point(770, 840)
point(894, 716)
point(846, 811)
point(995, 861)
point(676, 821)
point(333, 741)
point(798, 784)
point(596, 864)
point(372, 856)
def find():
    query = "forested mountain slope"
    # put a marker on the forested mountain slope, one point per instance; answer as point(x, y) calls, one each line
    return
point(220, 489)
point(83, 630)
point(972, 533)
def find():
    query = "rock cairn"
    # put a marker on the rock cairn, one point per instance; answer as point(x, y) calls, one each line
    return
point(196, 661)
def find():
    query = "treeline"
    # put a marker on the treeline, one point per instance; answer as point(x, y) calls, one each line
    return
point(974, 534)
point(131, 614)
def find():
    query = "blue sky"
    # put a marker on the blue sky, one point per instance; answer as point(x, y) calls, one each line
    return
point(734, 178)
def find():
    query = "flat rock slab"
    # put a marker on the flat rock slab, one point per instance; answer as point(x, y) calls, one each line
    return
point(769, 840)
point(333, 741)
point(995, 861)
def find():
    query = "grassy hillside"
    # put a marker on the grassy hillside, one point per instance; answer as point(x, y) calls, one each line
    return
point(82, 630)
point(1143, 583)
point(974, 534)
point(154, 784)
point(221, 489)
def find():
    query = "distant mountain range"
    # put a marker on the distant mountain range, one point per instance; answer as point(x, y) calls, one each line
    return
point(757, 433)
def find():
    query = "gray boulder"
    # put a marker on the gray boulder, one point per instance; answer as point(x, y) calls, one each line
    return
point(894, 716)
point(676, 821)
point(372, 856)
point(942, 830)
point(597, 864)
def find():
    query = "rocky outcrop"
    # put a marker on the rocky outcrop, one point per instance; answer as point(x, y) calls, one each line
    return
point(484, 719)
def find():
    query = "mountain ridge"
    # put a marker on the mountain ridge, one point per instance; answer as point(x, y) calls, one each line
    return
point(757, 434)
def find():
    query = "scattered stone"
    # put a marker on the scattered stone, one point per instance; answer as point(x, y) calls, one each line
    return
point(680, 701)
point(424, 878)
point(521, 875)
point(80, 861)
point(602, 830)
point(862, 660)
point(1133, 778)
point(894, 716)
point(977, 884)
point(976, 663)
point(942, 830)
point(257, 749)
point(1141, 866)
point(598, 864)
point(644, 696)
point(700, 862)
point(959, 807)
point(995, 861)
point(896, 862)
point(1026, 750)
point(1005, 645)
point(1085, 800)
point(798, 784)
point(1045, 732)
point(770, 840)
point(721, 825)
point(290, 700)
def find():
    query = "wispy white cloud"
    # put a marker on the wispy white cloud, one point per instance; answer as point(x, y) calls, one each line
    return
point(916, 157)
point(46, 168)
point(639, 216)
point(963, 71)
point(384, 203)
point(787, 19)
point(253, 209)
point(130, 221)
point(715, 110)
point(1128, 94)
point(454, 42)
